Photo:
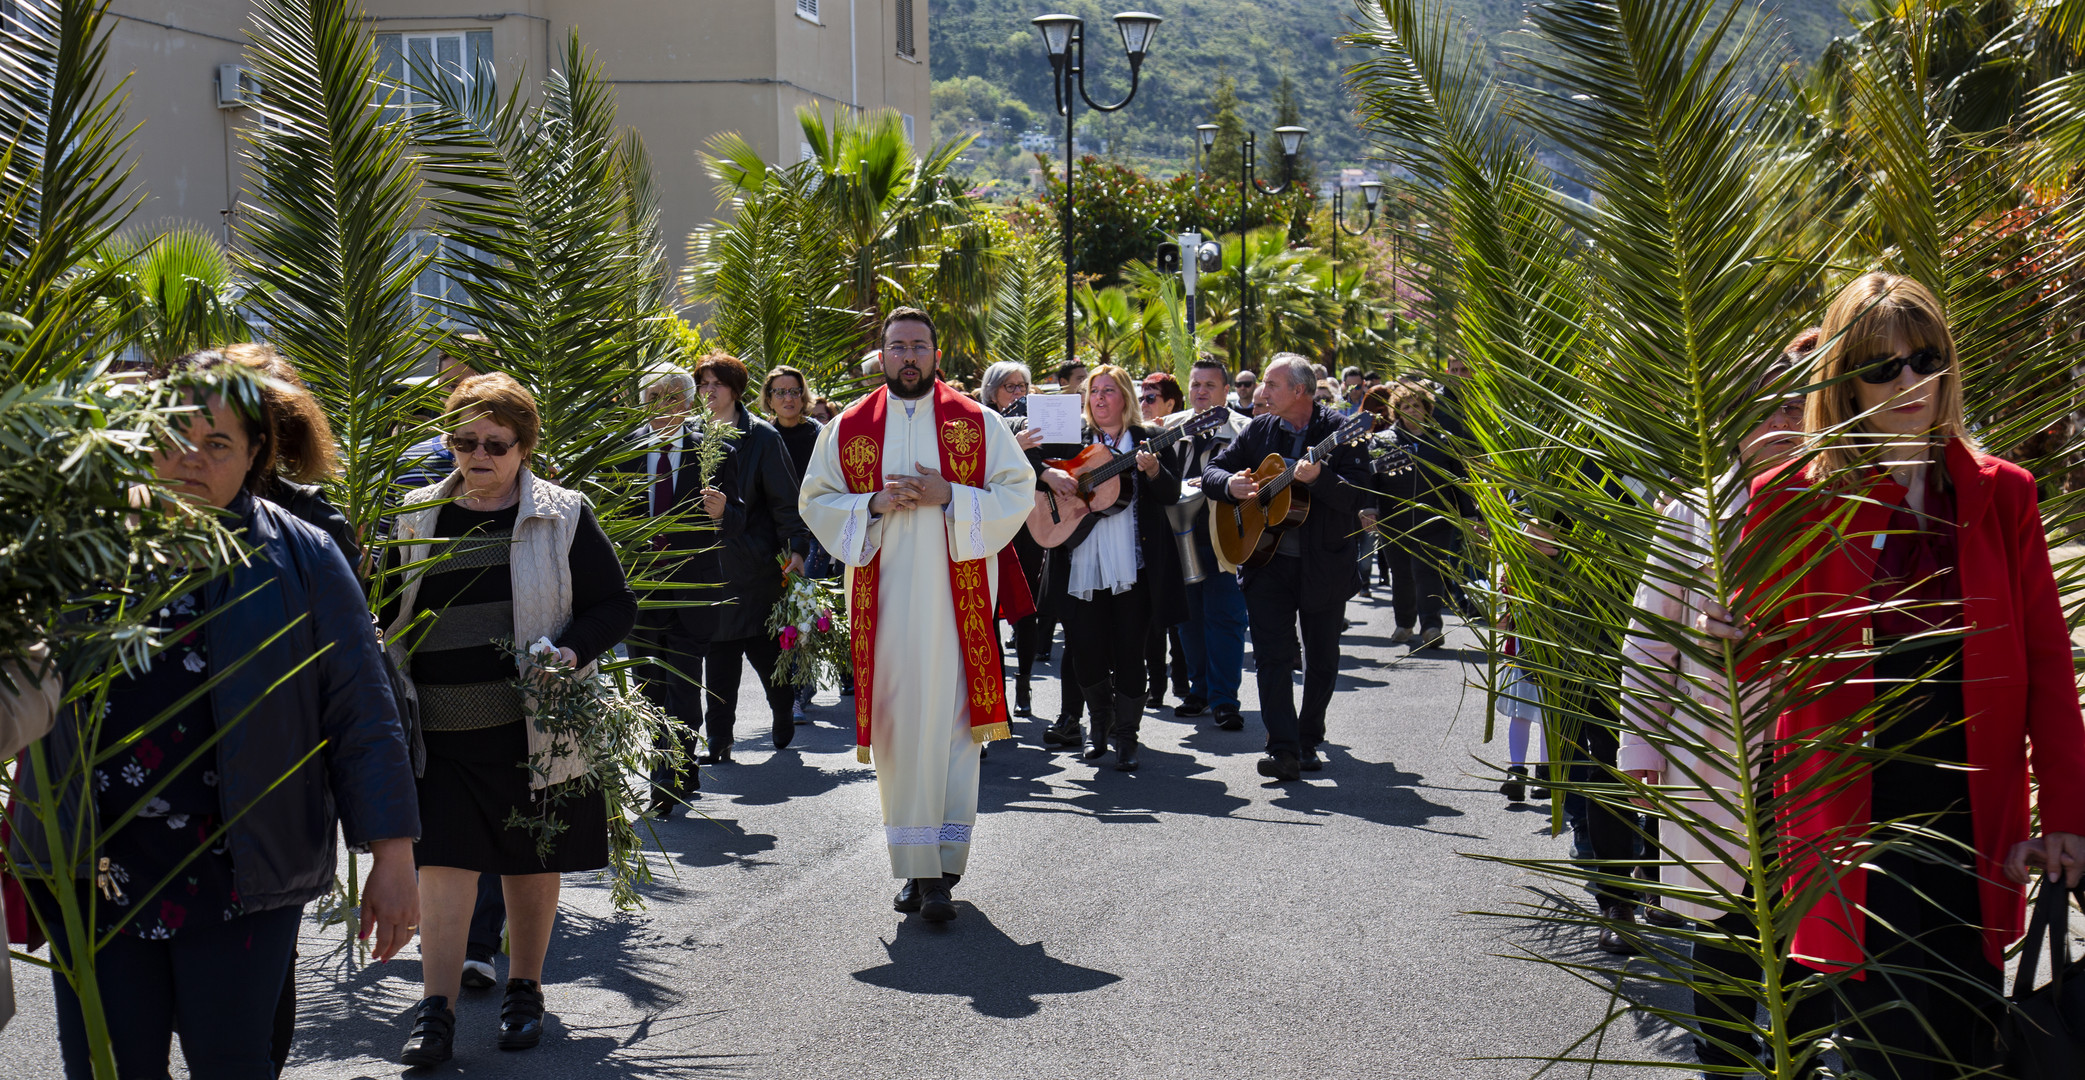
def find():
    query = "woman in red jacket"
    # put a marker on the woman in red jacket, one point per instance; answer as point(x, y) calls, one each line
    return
point(1926, 575)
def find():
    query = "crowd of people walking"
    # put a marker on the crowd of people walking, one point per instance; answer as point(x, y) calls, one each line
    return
point(1160, 536)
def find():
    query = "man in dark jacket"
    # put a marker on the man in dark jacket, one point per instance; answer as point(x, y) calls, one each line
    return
point(1312, 573)
point(699, 520)
point(755, 562)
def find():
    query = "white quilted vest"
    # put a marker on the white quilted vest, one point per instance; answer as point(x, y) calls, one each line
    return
point(541, 570)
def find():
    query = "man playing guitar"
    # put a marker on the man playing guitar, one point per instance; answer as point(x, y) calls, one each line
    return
point(1312, 572)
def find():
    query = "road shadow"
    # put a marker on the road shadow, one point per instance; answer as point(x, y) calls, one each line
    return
point(1375, 791)
point(785, 775)
point(1169, 783)
point(972, 958)
point(349, 1009)
point(715, 841)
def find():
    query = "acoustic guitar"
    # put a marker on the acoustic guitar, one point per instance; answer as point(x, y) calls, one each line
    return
point(1102, 492)
point(1247, 533)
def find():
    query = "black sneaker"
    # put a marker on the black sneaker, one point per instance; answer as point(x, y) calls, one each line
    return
point(433, 1040)
point(1190, 706)
point(521, 1015)
point(1309, 761)
point(1229, 720)
point(1282, 767)
point(478, 974)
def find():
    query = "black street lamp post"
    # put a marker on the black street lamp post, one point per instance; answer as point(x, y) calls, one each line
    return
point(1371, 191)
point(1291, 146)
point(1064, 36)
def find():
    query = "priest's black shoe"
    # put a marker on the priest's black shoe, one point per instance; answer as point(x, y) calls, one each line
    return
point(433, 1040)
point(521, 1015)
point(907, 901)
point(935, 905)
point(1282, 766)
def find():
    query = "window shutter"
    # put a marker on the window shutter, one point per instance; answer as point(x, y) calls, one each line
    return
point(808, 9)
point(477, 47)
point(905, 48)
point(390, 67)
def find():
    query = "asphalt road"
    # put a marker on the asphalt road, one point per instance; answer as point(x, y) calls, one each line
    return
point(1188, 920)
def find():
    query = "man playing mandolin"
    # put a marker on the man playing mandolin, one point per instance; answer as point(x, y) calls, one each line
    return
point(1293, 482)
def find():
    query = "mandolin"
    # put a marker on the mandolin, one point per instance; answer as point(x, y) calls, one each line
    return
point(1102, 492)
point(1247, 533)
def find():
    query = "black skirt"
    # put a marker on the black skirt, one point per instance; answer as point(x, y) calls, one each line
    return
point(475, 781)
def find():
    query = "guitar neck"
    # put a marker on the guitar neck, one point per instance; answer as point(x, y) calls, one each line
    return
point(1123, 462)
point(1275, 486)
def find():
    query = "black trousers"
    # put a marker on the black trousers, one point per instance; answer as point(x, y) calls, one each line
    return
point(1732, 1014)
point(218, 984)
point(1104, 637)
point(1274, 608)
point(722, 671)
point(671, 682)
point(1156, 669)
point(1418, 593)
point(1923, 909)
point(1613, 826)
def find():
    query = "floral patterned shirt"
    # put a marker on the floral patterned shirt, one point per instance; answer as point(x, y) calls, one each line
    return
point(185, 814)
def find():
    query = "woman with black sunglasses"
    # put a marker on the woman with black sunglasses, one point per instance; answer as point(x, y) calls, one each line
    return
point(496, 554)
point(1919, 615)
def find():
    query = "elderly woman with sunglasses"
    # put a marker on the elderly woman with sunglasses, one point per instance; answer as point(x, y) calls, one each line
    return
point(1918, 628)
point(508, 557)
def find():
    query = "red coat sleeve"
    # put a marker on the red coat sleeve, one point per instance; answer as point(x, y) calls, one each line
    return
point(2054, 725)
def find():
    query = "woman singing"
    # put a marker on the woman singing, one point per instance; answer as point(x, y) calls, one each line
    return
point(1122, 578)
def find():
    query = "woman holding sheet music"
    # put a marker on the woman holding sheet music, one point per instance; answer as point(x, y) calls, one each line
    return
point(1118, 577)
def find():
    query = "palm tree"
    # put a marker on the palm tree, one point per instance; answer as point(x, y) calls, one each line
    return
point(172, 293)
point(1109, 323)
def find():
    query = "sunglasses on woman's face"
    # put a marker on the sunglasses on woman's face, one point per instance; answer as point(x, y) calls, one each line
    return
point(1149, 399)
point(465, 446)
point(1884, 369)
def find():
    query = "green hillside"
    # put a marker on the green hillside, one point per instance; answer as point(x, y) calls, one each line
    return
point(989, 64)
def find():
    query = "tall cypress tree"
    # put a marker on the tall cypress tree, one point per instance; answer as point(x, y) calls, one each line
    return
point(1223, 160)
point(1288, 110)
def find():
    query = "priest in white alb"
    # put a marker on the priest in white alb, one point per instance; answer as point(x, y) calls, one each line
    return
point(918, 490)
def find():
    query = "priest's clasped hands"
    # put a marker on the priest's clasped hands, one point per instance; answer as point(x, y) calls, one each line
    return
point(902, 492)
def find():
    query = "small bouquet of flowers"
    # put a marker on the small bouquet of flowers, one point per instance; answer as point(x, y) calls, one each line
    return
point(810, 621)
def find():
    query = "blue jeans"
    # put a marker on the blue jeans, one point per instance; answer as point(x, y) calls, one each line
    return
point(1214, 638)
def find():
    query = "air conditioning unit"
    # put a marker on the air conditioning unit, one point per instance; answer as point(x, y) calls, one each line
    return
point(237, 87)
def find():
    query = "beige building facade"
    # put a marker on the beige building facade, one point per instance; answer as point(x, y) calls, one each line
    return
point(684, 71)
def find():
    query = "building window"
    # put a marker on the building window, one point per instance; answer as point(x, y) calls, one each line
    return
point(907, 118)
point(807, 9)
point(435, 290)
point(905, 45)
point(404, 60)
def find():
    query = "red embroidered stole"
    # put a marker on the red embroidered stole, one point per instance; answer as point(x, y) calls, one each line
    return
point(959, 424)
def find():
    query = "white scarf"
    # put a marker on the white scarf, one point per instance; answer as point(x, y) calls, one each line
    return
point(1109, 557)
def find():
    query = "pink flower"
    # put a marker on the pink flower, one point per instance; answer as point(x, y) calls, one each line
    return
point(825, 621)
point(789, 637)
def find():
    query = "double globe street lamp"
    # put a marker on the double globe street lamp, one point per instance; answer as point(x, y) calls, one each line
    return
point(1371, 193)
point(1064, 36)
point(1291, 147)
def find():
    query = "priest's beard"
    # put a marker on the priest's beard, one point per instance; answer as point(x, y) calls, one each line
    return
point(916, 386)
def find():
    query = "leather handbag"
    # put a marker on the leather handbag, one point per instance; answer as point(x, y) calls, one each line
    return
point(2042, 1036)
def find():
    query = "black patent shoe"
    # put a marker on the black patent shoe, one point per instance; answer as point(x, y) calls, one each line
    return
point(433, 1040)
point(1515, 789)
point(935, 903)
point(1021, 699)
point(1065, 733)
point(521, 1015)
point(1126, 755)
point(907, 901)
